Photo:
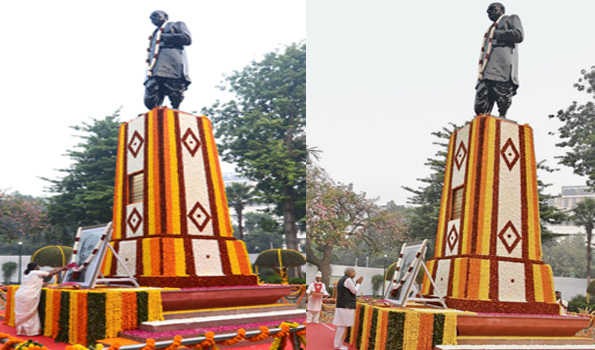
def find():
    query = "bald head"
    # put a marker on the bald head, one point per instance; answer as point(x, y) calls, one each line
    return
point(350, 271)
point(158, 17)
point(495, 10)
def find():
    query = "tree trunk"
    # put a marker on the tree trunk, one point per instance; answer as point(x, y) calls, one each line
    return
point(289, 226)
point(240, 224)
point(589, 237)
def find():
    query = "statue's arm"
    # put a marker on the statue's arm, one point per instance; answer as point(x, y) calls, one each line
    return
point(513, 33)
point(180, 36)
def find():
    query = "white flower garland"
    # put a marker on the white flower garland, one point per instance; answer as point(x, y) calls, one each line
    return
point(487, 37)
point(152, 60)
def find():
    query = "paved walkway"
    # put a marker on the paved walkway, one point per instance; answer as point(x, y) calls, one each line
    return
point(320, 336)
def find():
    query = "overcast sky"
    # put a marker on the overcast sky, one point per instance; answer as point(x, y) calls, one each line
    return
point(382, 75)
point(65, 62)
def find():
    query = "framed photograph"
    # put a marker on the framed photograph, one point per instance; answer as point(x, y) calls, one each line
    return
point(88, 252)
point(406, 272)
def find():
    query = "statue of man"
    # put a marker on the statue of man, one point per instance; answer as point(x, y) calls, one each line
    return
point(167, 74)
point(498, 64)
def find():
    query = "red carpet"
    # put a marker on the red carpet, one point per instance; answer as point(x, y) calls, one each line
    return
point(320, 336)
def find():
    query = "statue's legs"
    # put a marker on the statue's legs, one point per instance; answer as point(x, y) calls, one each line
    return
point(483, 100)
point(503, 92)
point(489, 92)
point(174, 89)
point(153, 95)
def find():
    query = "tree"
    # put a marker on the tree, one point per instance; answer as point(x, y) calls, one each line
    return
point(577, 132)
point(240, 195)
point(566, 256)
point(84, 195)
point(423, 217)
point(8, 269)
point(262, 232)
point(338, 217)
point(21, 217)
point(262, 131)
point(584, 215)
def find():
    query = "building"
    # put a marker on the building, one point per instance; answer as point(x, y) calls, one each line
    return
point(567, 201)
point(571, 196)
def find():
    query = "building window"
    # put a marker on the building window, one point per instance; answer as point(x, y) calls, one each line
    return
point(135, 193)
point(456, 206)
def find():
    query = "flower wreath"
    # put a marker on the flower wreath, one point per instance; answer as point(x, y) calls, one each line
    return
point(152, 60)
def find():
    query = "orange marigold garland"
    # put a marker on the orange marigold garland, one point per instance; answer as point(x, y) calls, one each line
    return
point(238, 338)
point(176, 343)
point(208, 343)
point(150, 345)
point(264, 333)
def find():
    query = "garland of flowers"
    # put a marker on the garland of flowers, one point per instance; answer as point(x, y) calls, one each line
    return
point(280, 339)
point(379, 327)
point(152, 60)
point(84, 316)
point(485, 52)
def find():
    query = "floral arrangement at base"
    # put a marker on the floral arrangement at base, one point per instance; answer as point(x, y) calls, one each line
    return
point(83, 316)
point(379, 327)
point(19, 344)
point(280, 339)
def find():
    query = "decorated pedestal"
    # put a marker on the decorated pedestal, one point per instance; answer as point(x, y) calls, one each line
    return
point(170, 214)
point(488, 243)
point(377, 327)
point(84, 316)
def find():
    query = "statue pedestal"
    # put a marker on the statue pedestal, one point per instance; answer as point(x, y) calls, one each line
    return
point(488, 242)
point(171, 219)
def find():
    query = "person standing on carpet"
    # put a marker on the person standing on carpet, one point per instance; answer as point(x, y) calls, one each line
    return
point(347, 290)
point(315, 292)
point(27, 300)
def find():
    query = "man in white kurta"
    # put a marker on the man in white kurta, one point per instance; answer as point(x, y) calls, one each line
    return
point(347, 290)
point(315, 292)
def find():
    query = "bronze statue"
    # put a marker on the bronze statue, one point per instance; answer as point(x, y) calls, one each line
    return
point(167, 74)
point(498, 64)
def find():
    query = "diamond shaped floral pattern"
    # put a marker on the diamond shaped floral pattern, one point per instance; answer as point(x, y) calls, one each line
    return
point(510, 154)
point(134, 220)
point(509, 236)
point(460, 155)
point(135, 144)
point(190, 141)
point(199, 216)
point(452, 238)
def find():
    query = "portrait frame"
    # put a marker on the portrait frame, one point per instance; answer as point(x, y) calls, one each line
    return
point(89, 249)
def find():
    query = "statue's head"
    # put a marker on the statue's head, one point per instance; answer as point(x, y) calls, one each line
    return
point(158, 17)
point(495, 10)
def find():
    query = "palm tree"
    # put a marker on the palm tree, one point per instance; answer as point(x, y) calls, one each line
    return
point(240, 195)
point(584, 215)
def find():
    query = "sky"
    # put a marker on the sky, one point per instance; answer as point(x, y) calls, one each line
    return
point(384, 74)
point(66, 62)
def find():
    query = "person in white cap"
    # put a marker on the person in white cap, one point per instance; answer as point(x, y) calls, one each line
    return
point(315, 292)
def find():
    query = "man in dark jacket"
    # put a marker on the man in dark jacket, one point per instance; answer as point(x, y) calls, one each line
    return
point(167, 73)
point(498, 64)
point(347, 290)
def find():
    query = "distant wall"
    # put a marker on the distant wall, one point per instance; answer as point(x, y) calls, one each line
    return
point(6, 258)
point(570, 287)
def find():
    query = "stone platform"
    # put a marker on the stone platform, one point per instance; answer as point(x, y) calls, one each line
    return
point(220, 297)
point(500, 324)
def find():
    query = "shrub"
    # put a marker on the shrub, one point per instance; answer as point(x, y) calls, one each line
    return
point(579, 303)
point(8, 268)
point(297, 280)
